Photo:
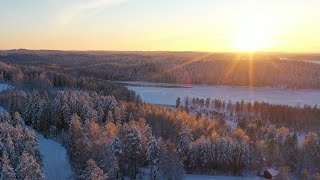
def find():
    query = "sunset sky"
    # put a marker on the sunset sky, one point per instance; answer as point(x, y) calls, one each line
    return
point(175, 25)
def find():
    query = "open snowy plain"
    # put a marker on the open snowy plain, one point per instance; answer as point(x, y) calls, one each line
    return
point(166, 94)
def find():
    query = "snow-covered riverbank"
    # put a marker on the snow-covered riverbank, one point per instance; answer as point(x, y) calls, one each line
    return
point(55, 160)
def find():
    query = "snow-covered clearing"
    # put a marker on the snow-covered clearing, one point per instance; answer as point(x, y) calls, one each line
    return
point(301, 137)
point(232, 123)
point(55, 160)
point(166, 94)
point(2, 110)
point(4, 87)
point(205, 177)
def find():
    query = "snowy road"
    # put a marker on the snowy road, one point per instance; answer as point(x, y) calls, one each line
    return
point(55, 160)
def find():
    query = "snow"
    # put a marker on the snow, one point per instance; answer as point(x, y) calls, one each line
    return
point(2, 110)
point(4, 87)
point(273, 172)
point(166, 94)
point(313, 61)
point(145, 174)
point(56, 164)
point(301, 137)
point(54, 155)
point(205, 177)
point(55, 160)
point(232, 123)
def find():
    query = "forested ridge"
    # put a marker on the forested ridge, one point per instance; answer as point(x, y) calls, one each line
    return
point(110, 134)
point(261, 69)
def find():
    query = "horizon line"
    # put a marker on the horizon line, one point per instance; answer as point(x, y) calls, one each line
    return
point(173, 51)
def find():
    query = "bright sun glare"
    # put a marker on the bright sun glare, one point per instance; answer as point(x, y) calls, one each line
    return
point(252, 36)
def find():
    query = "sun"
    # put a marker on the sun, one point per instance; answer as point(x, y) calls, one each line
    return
point(252, 36)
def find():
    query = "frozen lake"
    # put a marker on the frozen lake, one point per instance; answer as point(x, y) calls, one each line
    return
point(313, 61)
point(164, 93)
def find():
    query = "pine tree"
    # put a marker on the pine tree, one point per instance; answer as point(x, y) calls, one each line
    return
point(17, 120)
point(109, 163)
point(117, 148)
point(75, 142)
point(185, 138)
point(132, 149)
point(186, 102)
point(178, 102)
point(291, 152)
point(13, 103)
point(27, 113)
point(66, 113)
point(7, 172)
point(310, 150)
point(110, 117)
point(170, 166)
point(9, 145)
point(28, 168)
point(153, 153)
point(35, 107)
point(93, 172)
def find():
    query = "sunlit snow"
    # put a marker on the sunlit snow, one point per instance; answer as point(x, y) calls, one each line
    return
point(166, 94)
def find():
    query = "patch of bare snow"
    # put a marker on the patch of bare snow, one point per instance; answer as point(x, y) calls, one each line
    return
point(300, 137)
point(55, 159)
point(4, 87)
point(232, 123)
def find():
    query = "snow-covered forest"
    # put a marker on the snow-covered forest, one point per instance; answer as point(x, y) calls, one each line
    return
point(109, 133)
point(185, 67)
point(20, 158)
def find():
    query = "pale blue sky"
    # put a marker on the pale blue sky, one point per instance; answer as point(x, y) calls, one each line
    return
point(207, 25)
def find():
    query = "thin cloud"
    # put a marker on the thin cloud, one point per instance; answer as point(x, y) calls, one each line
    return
point(90, 6)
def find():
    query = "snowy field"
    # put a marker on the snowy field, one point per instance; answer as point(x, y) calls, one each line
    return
point(4, 87)
point(55, 160)
point(166, 94)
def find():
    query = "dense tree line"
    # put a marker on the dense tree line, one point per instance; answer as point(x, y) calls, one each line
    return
point(262, 69)
point(304, 117)
point(19, 156)
point(32, 77)
point(211, 146)
point(103, 140)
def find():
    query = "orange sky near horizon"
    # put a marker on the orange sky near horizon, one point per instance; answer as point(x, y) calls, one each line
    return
point(167, 25)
